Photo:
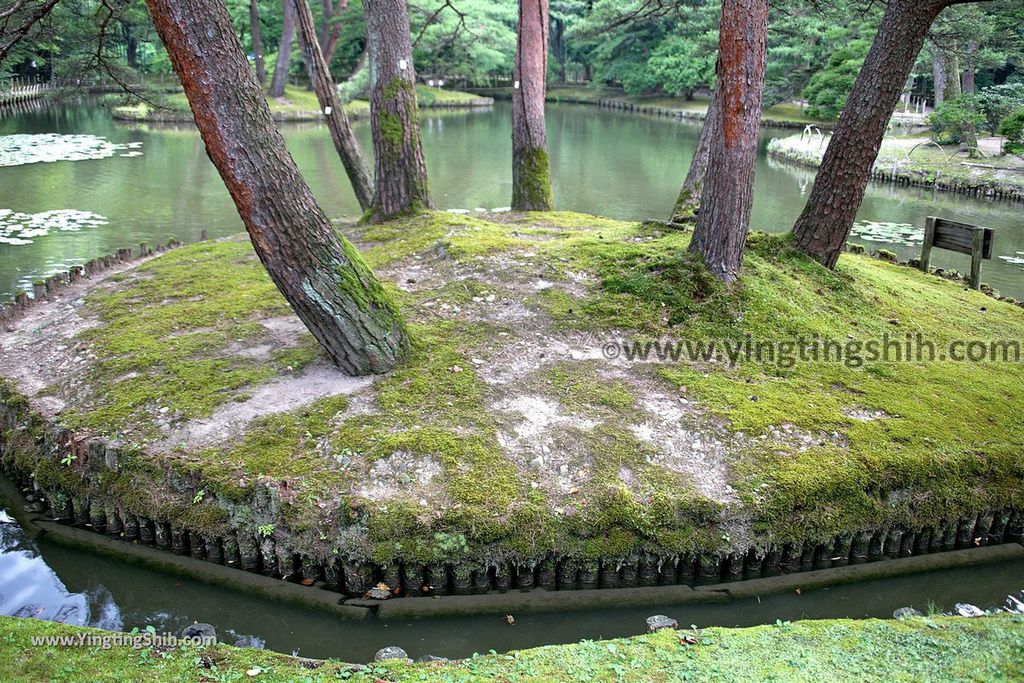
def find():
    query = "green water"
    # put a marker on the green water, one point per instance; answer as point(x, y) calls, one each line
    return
point(616, 164)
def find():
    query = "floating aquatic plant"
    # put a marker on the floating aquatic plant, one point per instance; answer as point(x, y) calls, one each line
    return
point(17, 150)
point(19, 228)
point(891, 233)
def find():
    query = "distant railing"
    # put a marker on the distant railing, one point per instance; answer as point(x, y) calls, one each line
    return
point(22, 89)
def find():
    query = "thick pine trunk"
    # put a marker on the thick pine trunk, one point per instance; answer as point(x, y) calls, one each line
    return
point(400, 172)
point(330, 104)
point(531, 168)
point(284, 51)
point(321, 275)
point(688, 202)
point(257, 41)
point(724, 218)
point(822, 228)
point(939, 74)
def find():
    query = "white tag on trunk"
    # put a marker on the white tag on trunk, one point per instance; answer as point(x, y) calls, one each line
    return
point(327, 111)
point(402, 64)
point(516, 85)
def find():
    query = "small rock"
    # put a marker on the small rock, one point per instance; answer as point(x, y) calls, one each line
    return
point(379, 592)
point(390, 652)
point(906, 613)
point(660, 621)
point(538, 462)
point(432, 658)
point(964, 609)
point(200, 631)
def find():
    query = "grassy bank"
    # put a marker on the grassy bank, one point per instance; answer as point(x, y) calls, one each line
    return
point(915, 160)
point(508, 438)
point(787, 114)
point(298, 104)
point(928, 648)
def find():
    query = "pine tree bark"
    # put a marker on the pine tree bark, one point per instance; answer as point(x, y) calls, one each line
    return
point(400, 171)
point(330, 104)
point(939, 74)
point(687, 203)
point(531, 167)
point(724, 218)
point(970, 66)
point(822, 228)
point(284, 51)
point(331, 30)
point(257, 41)
point(321, 275)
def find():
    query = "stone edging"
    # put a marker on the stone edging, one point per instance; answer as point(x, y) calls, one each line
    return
point(670, 112)
point(518, 601)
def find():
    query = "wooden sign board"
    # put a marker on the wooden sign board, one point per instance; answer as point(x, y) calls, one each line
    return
point(964, 238)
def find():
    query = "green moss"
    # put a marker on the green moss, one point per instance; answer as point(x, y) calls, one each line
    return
point(579, 386)
point(428, 96)
point(531, 186)
point(392, 131)
point(162, 337)
point(928, 648)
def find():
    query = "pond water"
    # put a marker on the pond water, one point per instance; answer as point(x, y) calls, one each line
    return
point(141, 182)
point(39, 578)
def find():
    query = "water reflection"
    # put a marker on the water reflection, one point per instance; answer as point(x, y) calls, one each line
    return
point(29, 588)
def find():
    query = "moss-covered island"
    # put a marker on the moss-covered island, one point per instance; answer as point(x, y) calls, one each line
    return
point(298, 104)
point(930, 648)
point(178, 401)
point(918, 161)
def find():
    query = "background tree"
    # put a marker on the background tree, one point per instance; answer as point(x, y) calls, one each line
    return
point(400, 172)
point(724, 218)
point(828, 88)
point(531, 168)
point(331, 105)
point(284, 51)
point(688, 202)
point(822, 228)
point(321, 275)
point(257, 41)
point(472, 44)
point(330, 28)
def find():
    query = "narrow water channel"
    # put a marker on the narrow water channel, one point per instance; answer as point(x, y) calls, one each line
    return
point(160, 184)
point(47, 580)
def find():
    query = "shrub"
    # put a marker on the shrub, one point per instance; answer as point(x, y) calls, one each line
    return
point(1000, 101)
point(952, 119)
point(1012, 128)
